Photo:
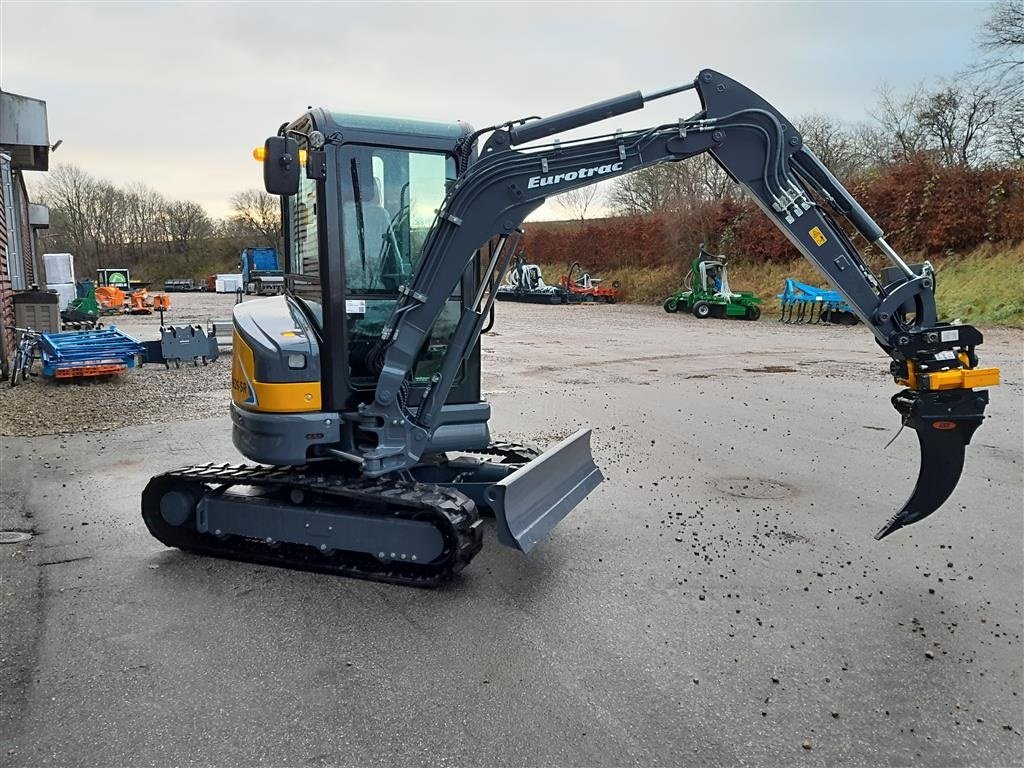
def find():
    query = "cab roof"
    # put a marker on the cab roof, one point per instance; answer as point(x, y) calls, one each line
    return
point(400, 125)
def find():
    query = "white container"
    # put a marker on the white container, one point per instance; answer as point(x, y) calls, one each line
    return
point(228, 283)
point(59, 267)
point(218, 286)
point(65, 292)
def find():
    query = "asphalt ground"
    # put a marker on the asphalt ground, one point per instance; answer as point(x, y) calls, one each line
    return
point(719, 600)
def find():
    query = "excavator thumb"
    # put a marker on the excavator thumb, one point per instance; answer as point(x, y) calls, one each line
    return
point(532, 500)
point(944, 421)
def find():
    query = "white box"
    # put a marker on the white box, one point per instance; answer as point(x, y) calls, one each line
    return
point(59, 267)
point(228, 283)
point(65, 292)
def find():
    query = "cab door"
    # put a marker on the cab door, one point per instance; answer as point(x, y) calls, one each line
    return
point(388, 201)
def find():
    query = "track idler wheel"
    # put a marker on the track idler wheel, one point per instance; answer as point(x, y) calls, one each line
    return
point(944, 422)
point(169, 510)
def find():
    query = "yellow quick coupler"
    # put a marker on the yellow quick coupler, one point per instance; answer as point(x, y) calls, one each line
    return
point(956, 378)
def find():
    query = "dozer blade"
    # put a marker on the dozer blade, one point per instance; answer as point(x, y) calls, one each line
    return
point(532, 500)
point(944, 422)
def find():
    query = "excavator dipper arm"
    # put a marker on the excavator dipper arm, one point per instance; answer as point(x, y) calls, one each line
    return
point(761, 150)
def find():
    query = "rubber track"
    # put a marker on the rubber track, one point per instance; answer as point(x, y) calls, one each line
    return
point(454, 514)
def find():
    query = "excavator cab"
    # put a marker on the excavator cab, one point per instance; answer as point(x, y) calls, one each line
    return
point(353, 234)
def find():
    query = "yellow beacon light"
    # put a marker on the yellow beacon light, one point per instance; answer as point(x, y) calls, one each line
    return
point(259, 154)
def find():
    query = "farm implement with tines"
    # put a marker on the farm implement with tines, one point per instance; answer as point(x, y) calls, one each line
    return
point(801, 304)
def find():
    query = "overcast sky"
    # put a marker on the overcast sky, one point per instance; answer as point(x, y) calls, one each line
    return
point(176, 95)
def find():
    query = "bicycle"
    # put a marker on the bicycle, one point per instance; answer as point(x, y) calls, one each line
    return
point(25, 355)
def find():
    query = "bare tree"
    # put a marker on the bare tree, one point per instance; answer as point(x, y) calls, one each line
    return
point(952, 124)
point(712, 180)
point(835, 144)
point(1008, 132)
point(105, 213)
point(259, 213)
point(671, 187)
point(67, 191)
point(577, 201)
point(897, 116)
point(957, 120)
point(144, 208)
point(646, 191)
point(1001, 40)
point(131, 226)
point(186, 223)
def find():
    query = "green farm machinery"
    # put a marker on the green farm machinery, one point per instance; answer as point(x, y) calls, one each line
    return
point(706, 292)
point(83, 313)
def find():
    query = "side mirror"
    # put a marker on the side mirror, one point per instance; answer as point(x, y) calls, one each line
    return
point(281, 165)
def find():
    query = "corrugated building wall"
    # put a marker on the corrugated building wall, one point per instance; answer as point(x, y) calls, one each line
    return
point(6, 293)
point(24, 147)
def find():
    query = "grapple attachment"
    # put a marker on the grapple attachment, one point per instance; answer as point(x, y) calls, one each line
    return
point(944, 421)
point(532, 500)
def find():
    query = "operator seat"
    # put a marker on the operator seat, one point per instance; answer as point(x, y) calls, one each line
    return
point(363, 261)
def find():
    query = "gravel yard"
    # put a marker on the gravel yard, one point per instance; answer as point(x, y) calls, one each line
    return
point(150, 394)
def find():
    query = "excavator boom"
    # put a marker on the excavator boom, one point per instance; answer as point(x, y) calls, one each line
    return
point(761, 150)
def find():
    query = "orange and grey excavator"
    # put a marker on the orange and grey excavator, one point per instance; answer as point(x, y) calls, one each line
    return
point(358, 391)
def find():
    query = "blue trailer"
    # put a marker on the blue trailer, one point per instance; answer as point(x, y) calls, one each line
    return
point(261, 272)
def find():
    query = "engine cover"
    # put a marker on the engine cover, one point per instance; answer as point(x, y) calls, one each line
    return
point(275, 358)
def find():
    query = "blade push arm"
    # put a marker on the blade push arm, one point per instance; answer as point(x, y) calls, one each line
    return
point(757, 147)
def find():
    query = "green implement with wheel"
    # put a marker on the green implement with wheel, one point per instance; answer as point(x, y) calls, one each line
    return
point(707, 293)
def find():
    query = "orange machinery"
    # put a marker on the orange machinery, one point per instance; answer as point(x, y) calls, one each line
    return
point(110, 298)
point(585, 288)
point(144, 304)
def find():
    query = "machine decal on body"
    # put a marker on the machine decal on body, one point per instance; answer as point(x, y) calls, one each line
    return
point(817, 236)
point(241, 385)
point(582, 173)
point(245, 391)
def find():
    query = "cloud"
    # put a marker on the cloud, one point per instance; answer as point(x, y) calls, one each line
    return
point(177, 94)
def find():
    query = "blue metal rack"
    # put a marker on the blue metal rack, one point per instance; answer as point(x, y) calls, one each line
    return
point(88, 353)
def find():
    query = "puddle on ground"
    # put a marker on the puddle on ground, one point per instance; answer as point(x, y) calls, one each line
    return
point(771, 369)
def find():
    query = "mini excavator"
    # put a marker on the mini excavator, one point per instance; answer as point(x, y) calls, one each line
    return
point(357, 392)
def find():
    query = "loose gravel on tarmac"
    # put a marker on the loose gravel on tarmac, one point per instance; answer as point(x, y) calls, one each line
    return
point(150, 394)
